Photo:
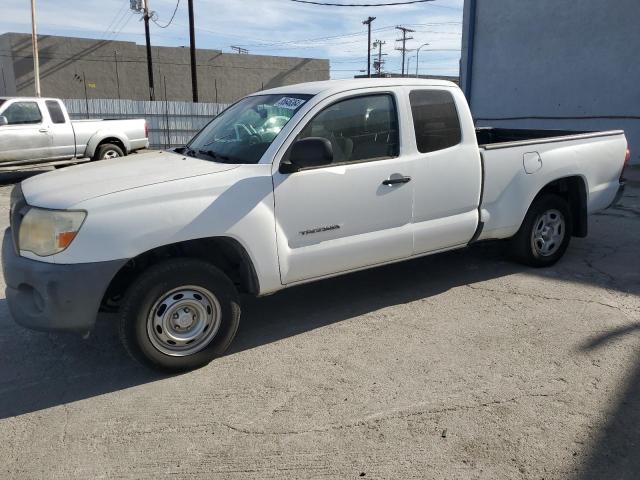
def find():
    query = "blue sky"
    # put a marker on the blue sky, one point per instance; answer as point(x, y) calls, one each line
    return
point(269, 27)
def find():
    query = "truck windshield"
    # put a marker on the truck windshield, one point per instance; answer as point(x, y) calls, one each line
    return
point(243, 132)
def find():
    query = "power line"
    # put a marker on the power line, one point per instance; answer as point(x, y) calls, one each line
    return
point(115, 33)
point(266, 44)
point(116, 16)
point(324, 4)
point(172, 17)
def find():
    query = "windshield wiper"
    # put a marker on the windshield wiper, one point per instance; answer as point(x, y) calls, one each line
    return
point(214, 155)
point(187, 151)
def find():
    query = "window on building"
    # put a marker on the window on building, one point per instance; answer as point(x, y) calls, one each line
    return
point(55, 111)
point(359, 128)
point(435, 120)
point(22, 113)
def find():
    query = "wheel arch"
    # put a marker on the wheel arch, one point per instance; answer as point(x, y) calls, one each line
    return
point(574, 190)
point(100, 139)
point(226, 253)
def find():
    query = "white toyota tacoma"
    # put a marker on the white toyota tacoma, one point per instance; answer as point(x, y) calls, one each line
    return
point(288, 186)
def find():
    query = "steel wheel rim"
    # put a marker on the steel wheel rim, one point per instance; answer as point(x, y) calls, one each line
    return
point(110, 154)
point(184, 321)
point(548, 232)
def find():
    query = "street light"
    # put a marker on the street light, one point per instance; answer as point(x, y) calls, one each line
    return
point(418, 57)
point(409, 62)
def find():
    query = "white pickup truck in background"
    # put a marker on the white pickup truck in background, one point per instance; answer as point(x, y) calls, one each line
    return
point(39, 130)
point(289, 186)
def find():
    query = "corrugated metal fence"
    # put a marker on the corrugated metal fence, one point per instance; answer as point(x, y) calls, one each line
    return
point(170, 123)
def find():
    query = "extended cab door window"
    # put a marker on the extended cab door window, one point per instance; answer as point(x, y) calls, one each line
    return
point(55, 111)
point(360, 129)
point(435, 120)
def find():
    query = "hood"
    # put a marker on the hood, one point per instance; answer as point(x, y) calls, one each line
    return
point(69, 186)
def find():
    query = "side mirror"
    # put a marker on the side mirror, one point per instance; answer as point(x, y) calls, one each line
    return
point(308, 152)
point(3, 120)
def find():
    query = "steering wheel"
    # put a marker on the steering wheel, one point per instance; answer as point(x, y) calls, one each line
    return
point(243, 130)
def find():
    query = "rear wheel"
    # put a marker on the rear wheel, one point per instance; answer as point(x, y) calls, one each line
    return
point(545, 232)
point(179, 315)
point(108, 151)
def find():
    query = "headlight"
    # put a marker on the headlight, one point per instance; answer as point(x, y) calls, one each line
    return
point(46, 232)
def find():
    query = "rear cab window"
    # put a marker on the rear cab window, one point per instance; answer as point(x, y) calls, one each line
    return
point(435, 120)
point(55, 111)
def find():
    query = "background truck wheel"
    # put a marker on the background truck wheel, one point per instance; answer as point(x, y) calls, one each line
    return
point(545, 232)
point(179, 315)
point(107, 151)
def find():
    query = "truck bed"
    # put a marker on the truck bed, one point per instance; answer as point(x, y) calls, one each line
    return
point(490, 135)
point(518, 163)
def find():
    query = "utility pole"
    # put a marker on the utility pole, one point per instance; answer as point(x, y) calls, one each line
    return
point(34, 46)
point(147, 17)
point(192, 47)
point(367, 22)
point(115, 59)
point(404, 39)
point(378, 64)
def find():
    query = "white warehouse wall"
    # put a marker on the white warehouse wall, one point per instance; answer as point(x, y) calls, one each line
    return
point(554, 64)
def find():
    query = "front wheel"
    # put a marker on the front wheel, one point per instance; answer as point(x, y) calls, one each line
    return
point(179, 315)
point(545, 232)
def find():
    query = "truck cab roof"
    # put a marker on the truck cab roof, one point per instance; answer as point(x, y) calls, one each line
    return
point(28, 98)
point(335, 86)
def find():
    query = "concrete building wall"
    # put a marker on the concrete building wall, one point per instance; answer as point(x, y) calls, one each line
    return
point(115, 69)
point(554, 64)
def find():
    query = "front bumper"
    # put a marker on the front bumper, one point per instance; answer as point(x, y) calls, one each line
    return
point(53, 297)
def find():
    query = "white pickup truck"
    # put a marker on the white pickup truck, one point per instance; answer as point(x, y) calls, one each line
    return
point(289, 186)
point(39, 131)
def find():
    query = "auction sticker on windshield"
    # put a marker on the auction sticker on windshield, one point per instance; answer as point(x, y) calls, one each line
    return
point(289, 103)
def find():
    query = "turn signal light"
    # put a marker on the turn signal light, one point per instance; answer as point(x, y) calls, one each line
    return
point(65, 239)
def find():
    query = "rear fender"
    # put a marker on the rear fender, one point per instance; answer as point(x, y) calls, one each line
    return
point(100, 136)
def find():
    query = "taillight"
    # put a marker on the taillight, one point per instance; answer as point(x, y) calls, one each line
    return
point(146, 131)
point(627, 157)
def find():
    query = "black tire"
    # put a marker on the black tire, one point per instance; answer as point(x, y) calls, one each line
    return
point(523, 247)
point(152, 287)
point(106, 150)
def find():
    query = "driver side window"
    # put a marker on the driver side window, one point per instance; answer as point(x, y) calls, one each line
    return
point(23, 113)
point(360, 129)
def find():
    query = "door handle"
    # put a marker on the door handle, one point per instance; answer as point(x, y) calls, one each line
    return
point(395, 181)
point(43, 130)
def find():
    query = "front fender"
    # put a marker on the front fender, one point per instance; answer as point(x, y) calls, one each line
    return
point(236, 204)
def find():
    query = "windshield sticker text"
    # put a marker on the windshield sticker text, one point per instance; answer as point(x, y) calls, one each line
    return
point(289, 103)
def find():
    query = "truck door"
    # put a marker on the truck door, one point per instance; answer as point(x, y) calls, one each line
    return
point(61, 131)
point(26, 136)
point(446, 167)
point(356, 211)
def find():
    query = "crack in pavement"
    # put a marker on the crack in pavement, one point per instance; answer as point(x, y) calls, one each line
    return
point(544, 297)
point(386, 416)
